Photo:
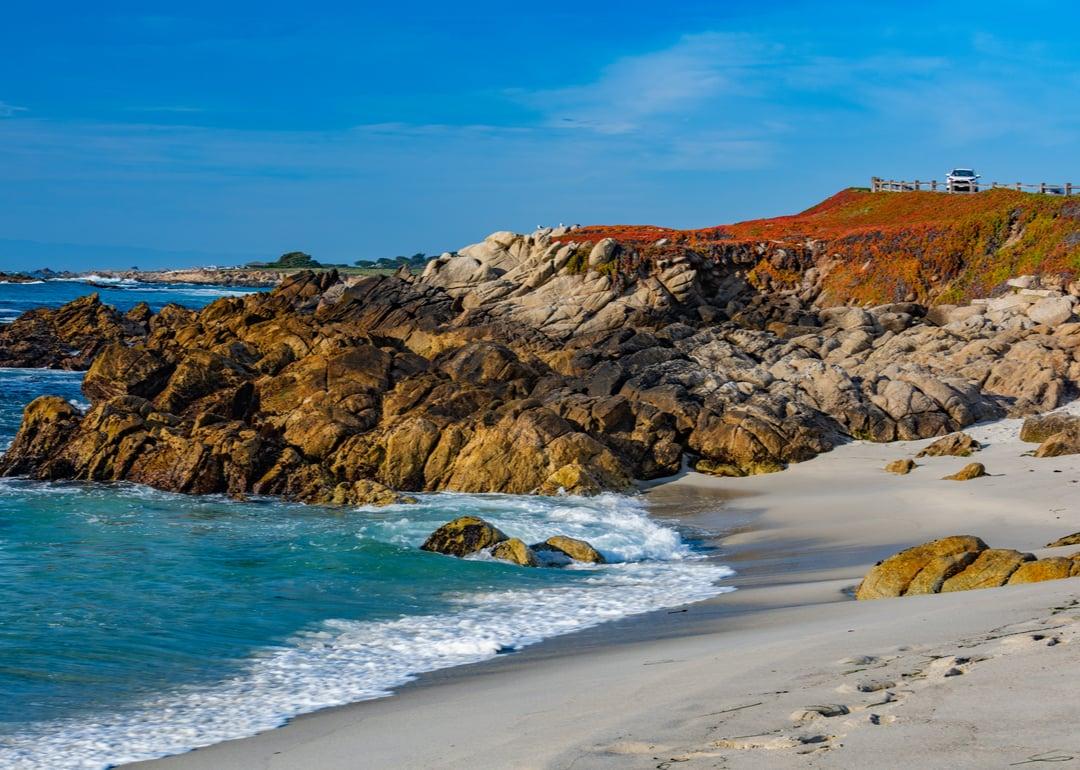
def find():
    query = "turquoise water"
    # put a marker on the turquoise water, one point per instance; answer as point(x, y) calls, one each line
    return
point(136, 623)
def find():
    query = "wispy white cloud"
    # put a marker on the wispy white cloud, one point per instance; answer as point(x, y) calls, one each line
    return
point(694, 73)
point(168, 108)
point(10, 110)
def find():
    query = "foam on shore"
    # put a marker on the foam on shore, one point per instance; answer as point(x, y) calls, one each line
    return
point(341, 661)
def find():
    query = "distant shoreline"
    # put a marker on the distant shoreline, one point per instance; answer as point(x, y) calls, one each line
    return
point(261, 277)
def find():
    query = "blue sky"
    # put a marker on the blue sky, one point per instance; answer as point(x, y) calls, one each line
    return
point(154, 134)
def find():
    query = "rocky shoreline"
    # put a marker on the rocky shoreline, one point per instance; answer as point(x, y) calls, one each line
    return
point(535, 363)
point(226, 276)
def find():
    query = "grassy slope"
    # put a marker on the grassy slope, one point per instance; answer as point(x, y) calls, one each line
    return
point(883, 247)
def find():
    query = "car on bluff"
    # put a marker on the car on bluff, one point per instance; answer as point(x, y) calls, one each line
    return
point(962, 180)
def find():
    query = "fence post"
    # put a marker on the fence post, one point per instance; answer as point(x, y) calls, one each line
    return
point(1018, 187)
point(918, 185)
point(1068, 188)
point(933, 185)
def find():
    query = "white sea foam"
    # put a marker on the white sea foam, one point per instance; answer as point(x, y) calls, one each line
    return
point(342, 661)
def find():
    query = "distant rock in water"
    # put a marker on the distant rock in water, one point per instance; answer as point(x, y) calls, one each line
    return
point(463, 536)
point(514, 551)
point(16, 278)
point(69, 337)
point(467, 535)
point(571, 548)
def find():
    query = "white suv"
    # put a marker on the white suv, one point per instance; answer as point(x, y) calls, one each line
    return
point(962, 180)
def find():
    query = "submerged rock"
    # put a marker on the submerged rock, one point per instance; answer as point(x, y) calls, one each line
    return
point(365, 492)
point(571, 548)
point(515, 551)
point(463, 536)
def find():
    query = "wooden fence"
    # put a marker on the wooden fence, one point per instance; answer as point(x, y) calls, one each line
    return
point(877, 184)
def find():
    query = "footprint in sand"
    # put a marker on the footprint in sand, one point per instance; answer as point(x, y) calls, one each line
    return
point(827, 710)
point(772, 742)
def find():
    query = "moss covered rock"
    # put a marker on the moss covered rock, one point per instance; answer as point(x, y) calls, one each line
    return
point(463, 536)
point(901, 467)
point(894, 576)
point(993, 567)
point(968, 472)
point(572, 548)
point(514, 551)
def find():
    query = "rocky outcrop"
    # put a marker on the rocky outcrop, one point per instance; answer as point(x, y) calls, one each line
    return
point(69, 337)
point(542, 363)
point(225, 276)
point(959, 563)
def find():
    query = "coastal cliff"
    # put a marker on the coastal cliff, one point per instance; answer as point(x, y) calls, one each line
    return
point(563, 359)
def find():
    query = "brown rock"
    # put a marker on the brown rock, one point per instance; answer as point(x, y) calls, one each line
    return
point(1067, 442)
point(901, 467)
point(463, 536)
point(953, 445)
point(993, 567)
point(1073, 539)
point(968, 472)
point(124, 371)
point(514, 551)
point(68, 337)
point(48, 422)
point(1052, 568)
point(893, 576)
point(571, 479)
point(931, 577)
point(575, 549)
point(1039, 428)
point(366, 492)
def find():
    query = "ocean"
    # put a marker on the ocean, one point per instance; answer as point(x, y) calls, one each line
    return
point(136, 623)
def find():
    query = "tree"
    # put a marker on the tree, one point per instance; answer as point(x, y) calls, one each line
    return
point(295, 259)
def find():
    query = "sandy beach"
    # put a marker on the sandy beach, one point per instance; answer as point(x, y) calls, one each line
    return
point(788, 671)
